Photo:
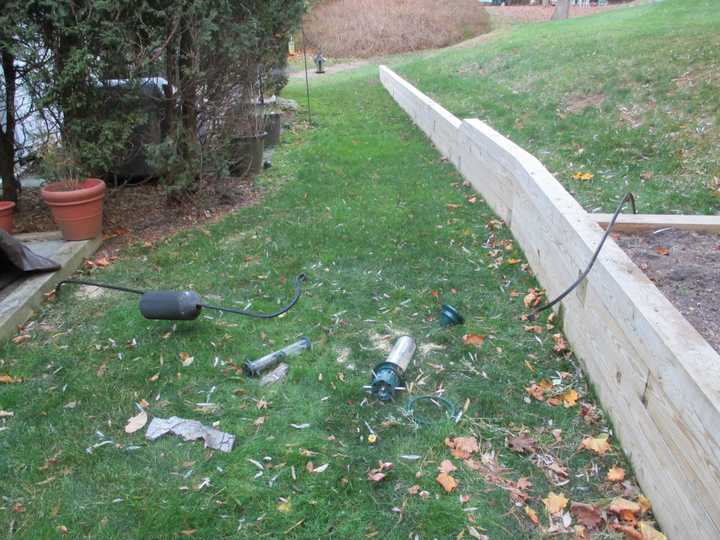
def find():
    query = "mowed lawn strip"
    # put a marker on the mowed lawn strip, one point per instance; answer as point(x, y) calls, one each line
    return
point(386, 232)
point(629, 96)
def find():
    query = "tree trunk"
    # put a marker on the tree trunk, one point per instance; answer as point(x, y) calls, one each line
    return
point(562, 10)
point(7, 136)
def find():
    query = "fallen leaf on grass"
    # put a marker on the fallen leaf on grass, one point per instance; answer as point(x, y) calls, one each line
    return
point(616, 474)
point(284, 506)
point(320, 469)
point(62, 529)
point(534, 329)
point(259, 421)
point(570, 398)
point(532, 514)
point(555, 503)
point(619, 505)
point(136, 422)
point(9, 379)
point(414, 489)
point(447, 466)
point(22, 338)
point(521, 444)
point(446, 481)
point(662, 251)
point(463, 447)
point(472, 531)
point(186, 359)
point(584, 176)
point(451, 206)
point(645, 505)
point(154, 378)
point(628, 531)
point(561, 345)
point(188, 532)
point(649, 532)
point(473, 339)
point(472, 200)
point(599, 445)
point(536, 391)
point(532, 298)
point(587, 515)
point(376, 475)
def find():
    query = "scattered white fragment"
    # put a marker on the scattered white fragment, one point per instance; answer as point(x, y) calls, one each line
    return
point(300, 426)
point(190, 430)
point(410, 457)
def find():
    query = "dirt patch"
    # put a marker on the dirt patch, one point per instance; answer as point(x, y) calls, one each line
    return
point(144, 212)
point(578, 103)
point(685, 266)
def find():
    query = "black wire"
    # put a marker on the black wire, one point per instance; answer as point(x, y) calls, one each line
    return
point(300, 278)
point(258, 315)
point(101, 285)
point(628, 197)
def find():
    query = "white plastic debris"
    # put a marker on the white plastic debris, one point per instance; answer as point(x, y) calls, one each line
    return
point(190, 430)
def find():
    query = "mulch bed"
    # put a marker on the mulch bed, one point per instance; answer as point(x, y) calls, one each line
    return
point(144, 212)
point(685, 266)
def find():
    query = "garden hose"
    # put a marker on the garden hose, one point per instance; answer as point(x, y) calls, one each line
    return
point(628, 197)
point(452, 410)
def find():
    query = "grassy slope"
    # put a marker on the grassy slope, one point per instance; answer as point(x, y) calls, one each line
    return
point(360, 203)
point(654, 73)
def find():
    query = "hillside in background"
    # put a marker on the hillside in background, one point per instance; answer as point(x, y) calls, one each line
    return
point(631, 96)
point(365, 28)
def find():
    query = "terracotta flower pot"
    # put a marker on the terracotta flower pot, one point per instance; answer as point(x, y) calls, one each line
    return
point(6, 215)
point(77, 212)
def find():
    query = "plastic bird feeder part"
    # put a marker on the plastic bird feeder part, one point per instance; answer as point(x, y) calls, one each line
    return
point(253, 369)
point(449, 316)
point(171, 305)
point(387, 377)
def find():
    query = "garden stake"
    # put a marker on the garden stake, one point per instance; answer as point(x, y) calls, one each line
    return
point(387, 376)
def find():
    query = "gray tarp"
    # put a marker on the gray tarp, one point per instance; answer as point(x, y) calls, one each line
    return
point(16, 259)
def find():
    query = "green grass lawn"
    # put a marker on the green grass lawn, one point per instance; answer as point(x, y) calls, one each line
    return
point(360, 203)
point(631, 96)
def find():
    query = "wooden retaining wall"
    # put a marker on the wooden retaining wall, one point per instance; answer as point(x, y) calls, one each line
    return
point(656, 376)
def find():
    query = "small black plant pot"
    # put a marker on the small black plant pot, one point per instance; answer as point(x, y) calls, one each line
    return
point(247, 154)
point(273, 127)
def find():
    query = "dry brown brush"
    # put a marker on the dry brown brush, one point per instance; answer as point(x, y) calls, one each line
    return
point(365, 28)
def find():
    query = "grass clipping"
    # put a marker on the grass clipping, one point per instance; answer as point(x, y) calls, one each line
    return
point(365, 28)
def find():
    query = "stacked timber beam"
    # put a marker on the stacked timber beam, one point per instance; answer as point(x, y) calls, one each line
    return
point(656, 376)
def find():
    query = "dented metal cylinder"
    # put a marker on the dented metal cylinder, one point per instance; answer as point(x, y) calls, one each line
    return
point(171, 305)
point(254, 368)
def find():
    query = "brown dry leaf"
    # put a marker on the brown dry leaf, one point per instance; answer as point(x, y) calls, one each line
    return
point(649, 532)
point(463, 447)
point(616, 474)
point(587, 515)
point(555, 503)
point(22, 338)
point(472, 200)
point(136, 422)
point(532, 298)
point(618, 505)
point(446, 481)
point(9, 379)
point(102, 368)
point(473, 339)
point(102, 262)
point(561, 345)
point(662, 251)
point(532, 514)
point(259, 421)
point(261, 404)
point(646, 176)
point(62, 529)
point(447, 466)
point(380, 473)
point(522, 444)
point(514, 261)
point(570, 398)
point(536, 391)
point(414, 489)
point(599, 444)
point(451, 206)
point(188, 532)
point(154, 378)
point(534, 329)
point(186, 359)
point(629, 531)
point(645, 505)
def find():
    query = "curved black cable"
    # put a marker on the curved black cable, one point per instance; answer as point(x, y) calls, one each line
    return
point(259, 315)
point(300, 278)
point(628, 197)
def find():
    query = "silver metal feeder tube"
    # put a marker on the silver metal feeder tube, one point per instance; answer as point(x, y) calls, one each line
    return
point(267, 361)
